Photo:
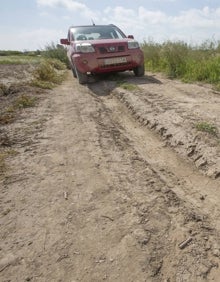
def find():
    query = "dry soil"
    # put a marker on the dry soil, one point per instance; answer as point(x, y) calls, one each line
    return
point(111, 185)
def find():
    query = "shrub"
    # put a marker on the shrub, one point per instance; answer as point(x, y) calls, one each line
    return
point(45, 72)
point(57, 64)
point(174, 56)
point(48, 73)
point(58, 52)
point(24, 101)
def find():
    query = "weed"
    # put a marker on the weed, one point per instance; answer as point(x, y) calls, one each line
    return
point(179, 60)
point(6, 117)
point(56, 64)
point(2, 163)
point(128, 86)
point(207, 127)
point(43, 84)
point(3, 156)
point(24, 101)
point(47, 74)
point(21, 102)
point(3, 89)
point(56, 52)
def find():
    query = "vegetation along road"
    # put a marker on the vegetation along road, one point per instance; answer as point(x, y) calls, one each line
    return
point(117, 180)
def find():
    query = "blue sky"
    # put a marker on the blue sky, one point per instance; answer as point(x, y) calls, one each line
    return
point(32, 24)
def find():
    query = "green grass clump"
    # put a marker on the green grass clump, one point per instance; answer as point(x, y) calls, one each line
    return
point(128, 86)
point(4, 154)
point(56, 64)
point(6, 117)
point(2, 163)
point(48, 74)
point(206, 69)
point(45, 72)
point(24, 101)
point(207, 127)
point(174, 56)
point(3, 89)
point(21, 102)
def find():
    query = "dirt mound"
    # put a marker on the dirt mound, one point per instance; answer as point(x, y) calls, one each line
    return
point(175, 111)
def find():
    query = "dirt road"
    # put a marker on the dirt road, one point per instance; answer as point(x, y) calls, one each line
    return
point(113, 185)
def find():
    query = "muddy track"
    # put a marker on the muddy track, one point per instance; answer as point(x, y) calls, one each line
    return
point(95, 195)
point(172, 109)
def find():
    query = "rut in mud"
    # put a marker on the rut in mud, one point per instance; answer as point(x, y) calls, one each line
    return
point(94, 195)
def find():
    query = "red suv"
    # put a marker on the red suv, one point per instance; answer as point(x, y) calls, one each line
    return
point(100, 49)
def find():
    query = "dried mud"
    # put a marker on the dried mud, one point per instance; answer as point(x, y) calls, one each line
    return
point(95, 191)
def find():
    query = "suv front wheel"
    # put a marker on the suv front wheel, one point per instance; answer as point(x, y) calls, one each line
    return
point(82, 77)
point(139, 70)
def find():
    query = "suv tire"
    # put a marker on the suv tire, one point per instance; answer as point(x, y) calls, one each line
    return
point(139, 70)
point(82, 77)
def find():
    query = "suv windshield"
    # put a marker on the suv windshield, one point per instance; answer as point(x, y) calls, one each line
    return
point(96, 33)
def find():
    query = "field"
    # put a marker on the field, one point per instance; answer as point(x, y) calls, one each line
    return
point(117, 180)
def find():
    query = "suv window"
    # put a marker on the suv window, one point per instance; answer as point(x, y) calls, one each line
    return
point(96, 32)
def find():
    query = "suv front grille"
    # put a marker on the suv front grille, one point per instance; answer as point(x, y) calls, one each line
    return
point(111, 49)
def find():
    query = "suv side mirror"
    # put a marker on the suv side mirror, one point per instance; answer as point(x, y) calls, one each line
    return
point(131, 36)
point(64, 41)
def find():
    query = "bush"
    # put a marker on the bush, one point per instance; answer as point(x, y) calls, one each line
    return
point(45, 72)
point(48, 74)
point(24, 101)
point(58, 52)
point(174, 56)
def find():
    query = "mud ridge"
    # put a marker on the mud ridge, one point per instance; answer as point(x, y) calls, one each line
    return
point(152, 201)
point(174, 130)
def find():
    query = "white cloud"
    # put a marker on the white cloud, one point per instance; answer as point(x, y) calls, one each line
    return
point(31, 39)
point(165, 1)
point(70, 5)
point(192, 25)
point(195, 18)
point(152, 17)
point(119, 16)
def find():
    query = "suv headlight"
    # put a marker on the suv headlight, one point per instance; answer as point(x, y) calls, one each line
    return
point(85, 48)
point(133, 44)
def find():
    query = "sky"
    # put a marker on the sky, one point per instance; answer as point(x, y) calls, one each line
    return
point(33, 24)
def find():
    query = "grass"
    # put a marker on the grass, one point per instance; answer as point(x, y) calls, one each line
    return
point(21, 102)
point(183, 61)
point(49, 73)
point(57, 52)
point(3, 156)
point(207, 127)
point(24, 101)
point(19, 60)
point(128, 86)
point(6, 117)
point(2, 163)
